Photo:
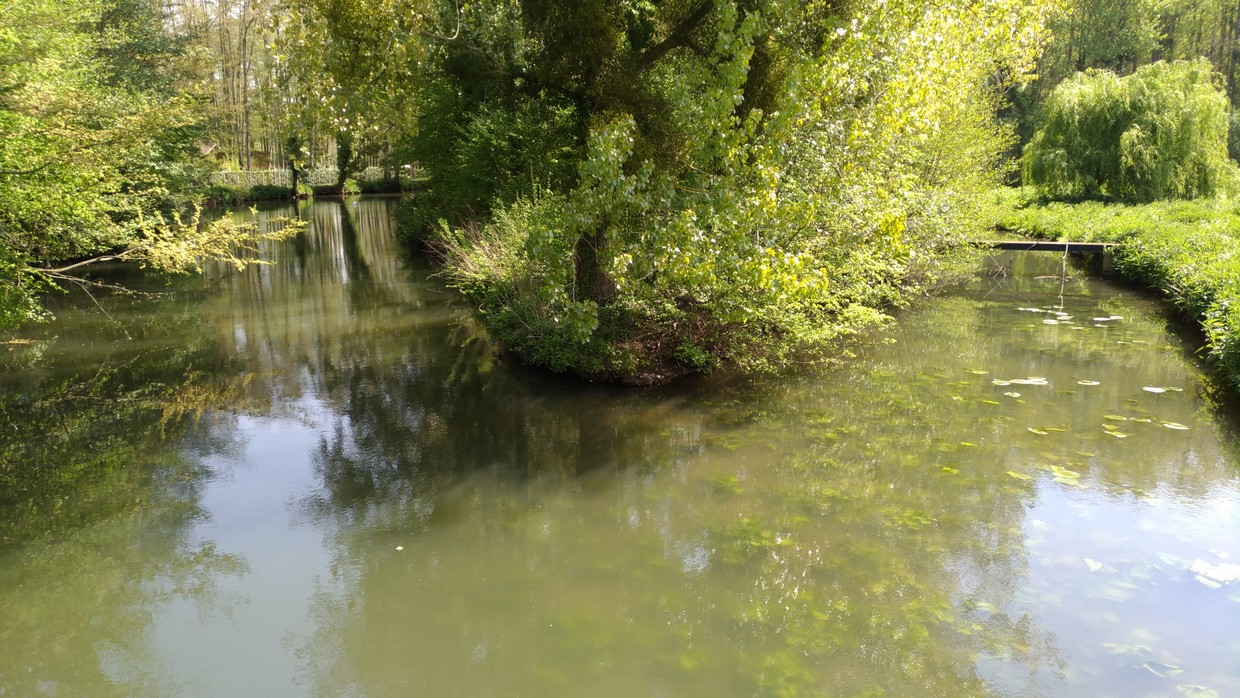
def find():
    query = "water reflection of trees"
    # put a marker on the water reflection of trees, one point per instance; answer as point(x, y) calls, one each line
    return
point(790, 540)
point(641, 540)
point(780, 544)
point(100, 478)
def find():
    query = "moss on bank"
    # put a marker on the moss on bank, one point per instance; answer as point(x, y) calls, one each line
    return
point(1188, 250)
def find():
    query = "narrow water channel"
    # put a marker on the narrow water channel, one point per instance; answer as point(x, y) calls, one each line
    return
point(314, 478)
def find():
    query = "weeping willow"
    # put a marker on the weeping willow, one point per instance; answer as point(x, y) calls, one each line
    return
point(1160, 133)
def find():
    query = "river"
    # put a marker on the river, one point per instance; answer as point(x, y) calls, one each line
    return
point(316, 477)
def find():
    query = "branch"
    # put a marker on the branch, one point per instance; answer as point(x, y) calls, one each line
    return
point(457, 33)
point(21, 173)
point(60, 271)
point(679, 37)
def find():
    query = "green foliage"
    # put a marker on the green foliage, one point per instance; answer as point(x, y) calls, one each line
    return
point(1190, 251)
point(681, 185)
point(350, 187)
point(1159, 133)
point(98, 155)
point(267, 192)
point(482, 156)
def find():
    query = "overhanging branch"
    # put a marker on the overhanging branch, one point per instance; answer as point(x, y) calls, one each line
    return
point(680, 36)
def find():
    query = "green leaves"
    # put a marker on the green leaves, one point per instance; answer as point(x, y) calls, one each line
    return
point(1160, 133)
point(98, 153)
point(741, 186)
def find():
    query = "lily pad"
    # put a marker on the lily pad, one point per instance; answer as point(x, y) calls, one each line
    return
point(1012, 394)
point(1118, 434)
point(1115, 417)
point(1019, 476)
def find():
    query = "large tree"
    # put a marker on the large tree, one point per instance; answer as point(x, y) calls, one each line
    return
point(1160, 133)
point(681, 182)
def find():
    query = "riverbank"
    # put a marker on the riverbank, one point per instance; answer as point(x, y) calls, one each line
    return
point(1187, 250)
point(226, 194)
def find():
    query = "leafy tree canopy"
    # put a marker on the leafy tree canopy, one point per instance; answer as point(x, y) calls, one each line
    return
point(1160, 133)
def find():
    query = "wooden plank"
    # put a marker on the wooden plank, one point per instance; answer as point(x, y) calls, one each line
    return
point(1048, 246)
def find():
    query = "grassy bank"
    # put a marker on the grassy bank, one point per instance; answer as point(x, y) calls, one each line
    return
point(1188, 250)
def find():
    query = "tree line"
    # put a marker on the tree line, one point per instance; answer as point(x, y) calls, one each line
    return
point(630, 189)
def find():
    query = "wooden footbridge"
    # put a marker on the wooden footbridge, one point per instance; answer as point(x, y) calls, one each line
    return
point(1047, 246)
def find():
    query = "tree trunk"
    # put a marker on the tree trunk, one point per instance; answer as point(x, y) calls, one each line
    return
point(344, 157)
point(592, 281)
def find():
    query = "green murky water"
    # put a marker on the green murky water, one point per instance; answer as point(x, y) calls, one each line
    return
point(313, 478)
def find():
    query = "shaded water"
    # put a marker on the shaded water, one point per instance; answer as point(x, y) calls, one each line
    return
point(313, 478)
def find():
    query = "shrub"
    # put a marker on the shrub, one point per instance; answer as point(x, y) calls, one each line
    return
point(1160, 133)
point(268, 192)
point(223, 194)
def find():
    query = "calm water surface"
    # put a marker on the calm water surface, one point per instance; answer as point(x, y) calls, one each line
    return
point(314, 478)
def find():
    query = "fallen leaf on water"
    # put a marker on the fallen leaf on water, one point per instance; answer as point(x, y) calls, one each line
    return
point(1161, 670)
point(1019, 476)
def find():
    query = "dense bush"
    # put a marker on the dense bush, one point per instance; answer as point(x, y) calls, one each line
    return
point(264, 192)
point(1160, 133)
